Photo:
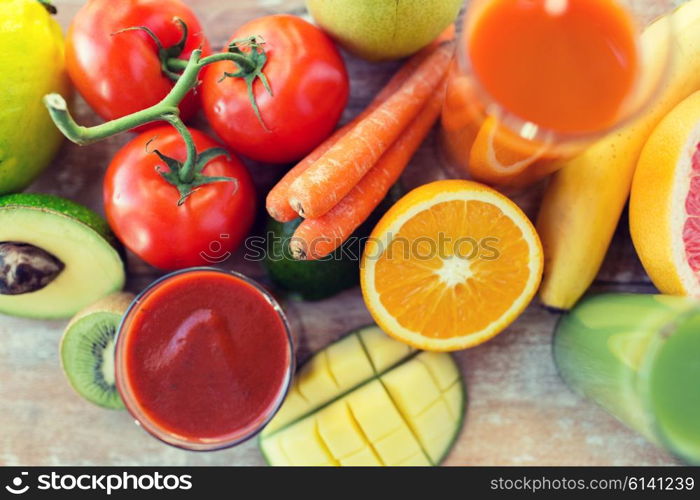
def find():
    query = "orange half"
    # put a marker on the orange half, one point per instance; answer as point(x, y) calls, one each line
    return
point(451, 265)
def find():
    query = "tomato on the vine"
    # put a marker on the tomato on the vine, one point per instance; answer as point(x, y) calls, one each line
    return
point(118, 70)
point(309, 90)
point(142, 207)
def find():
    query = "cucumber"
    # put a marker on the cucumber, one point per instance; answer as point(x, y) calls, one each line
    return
point(320, 279)
point(311, 280)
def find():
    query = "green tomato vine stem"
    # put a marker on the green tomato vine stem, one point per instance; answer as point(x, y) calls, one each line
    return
point(185, 175)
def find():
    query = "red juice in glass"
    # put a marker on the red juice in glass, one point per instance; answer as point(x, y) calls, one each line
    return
point(204, 359)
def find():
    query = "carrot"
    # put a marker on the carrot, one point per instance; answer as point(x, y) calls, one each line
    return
point(277, 202)
point(333, 176)
point(316, 238)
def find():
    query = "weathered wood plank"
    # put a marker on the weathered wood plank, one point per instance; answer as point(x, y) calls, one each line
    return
point(519, 412)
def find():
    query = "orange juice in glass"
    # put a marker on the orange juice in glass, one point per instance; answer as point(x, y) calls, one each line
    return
point(534, 81)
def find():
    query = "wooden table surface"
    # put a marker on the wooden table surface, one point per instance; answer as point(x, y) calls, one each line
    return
point(519, 412)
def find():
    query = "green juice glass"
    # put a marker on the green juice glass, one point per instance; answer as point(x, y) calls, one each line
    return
point(638, 356)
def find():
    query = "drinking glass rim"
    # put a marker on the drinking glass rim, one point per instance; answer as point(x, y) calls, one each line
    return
point(549, 137)
point(155, 430)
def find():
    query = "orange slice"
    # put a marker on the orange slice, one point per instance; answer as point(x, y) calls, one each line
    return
point(451, 265)
point(502, 157)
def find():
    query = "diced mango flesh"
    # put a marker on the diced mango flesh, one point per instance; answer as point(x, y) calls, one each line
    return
point(384, 352)
point(272, 449)
point(432, 427)
point(364, 458)
point(411, 387)
point(454, 397)
point(417, 460)
point(389, 407)
point(338, 429)
point(348, 363)
point(336, 370)
point(315, 381)
point(438, 446)
point(302, 445)
point(374, 411)
point(444, 374)
point(294, 406)
point(397, 446)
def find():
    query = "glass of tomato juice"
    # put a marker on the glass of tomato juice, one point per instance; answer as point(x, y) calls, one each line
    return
point(535, 81)
point(204, 358)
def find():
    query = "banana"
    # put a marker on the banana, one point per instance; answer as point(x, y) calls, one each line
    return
point(585, 198)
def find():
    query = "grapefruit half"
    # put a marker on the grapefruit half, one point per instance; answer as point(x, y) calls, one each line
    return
point(665, 202)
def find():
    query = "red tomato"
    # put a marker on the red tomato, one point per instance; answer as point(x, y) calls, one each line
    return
point(309, 85)
point(142, 207)
point(119, 74)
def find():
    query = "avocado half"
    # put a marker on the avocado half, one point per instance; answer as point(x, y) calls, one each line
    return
point(42, 230)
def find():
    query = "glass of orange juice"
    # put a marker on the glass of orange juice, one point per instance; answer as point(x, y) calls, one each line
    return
point(535, 81)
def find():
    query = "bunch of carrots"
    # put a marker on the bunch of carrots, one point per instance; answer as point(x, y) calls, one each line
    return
point(338, 185)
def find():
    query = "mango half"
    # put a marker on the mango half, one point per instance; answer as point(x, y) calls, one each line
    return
point(368, 400)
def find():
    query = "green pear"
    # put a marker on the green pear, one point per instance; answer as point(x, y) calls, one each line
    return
point(380, 30)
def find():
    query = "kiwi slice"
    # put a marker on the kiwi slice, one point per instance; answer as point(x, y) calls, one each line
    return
point(87, 350)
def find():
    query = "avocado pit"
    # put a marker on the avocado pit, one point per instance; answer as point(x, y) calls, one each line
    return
point(25, 268)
